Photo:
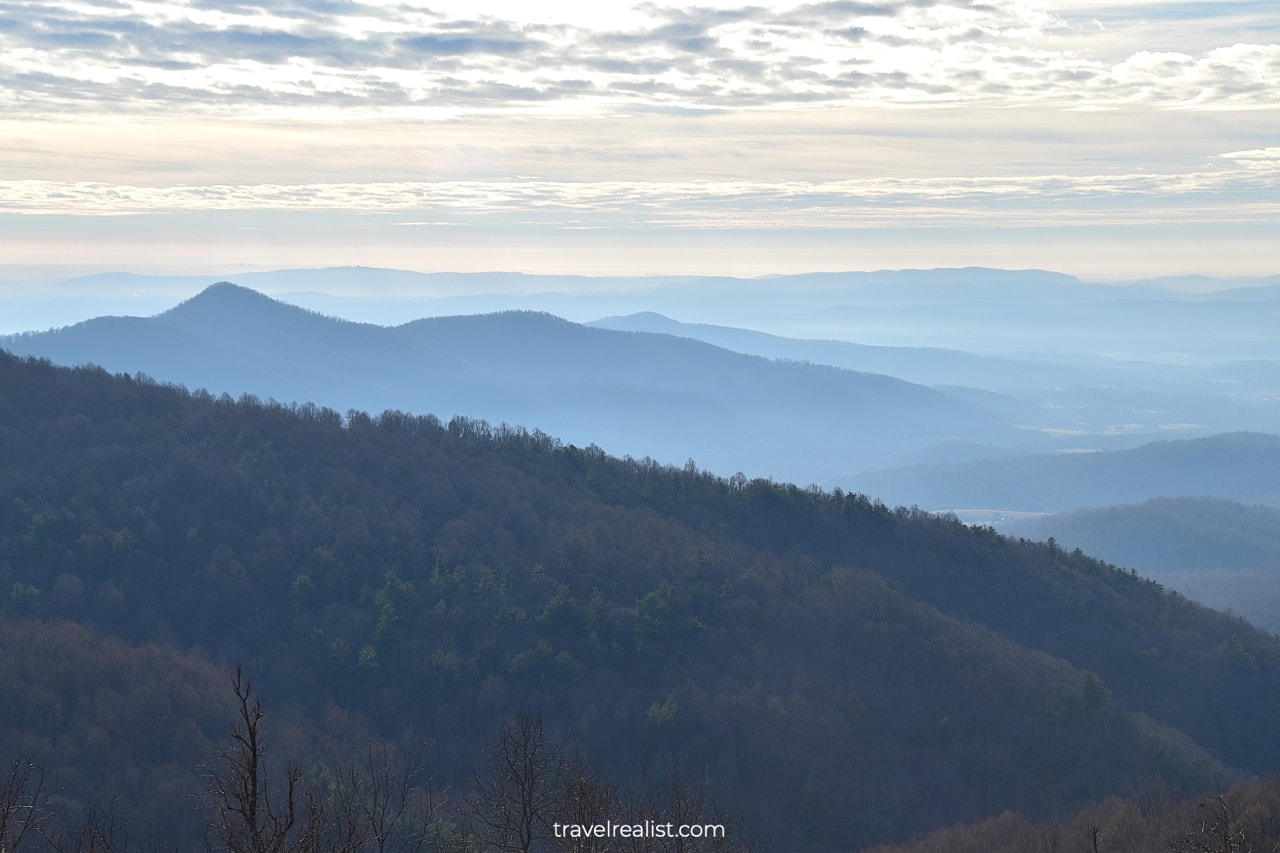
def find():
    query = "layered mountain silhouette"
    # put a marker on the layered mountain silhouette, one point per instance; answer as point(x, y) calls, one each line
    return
point(641, 394)
point(925, 365)
point(732, 399)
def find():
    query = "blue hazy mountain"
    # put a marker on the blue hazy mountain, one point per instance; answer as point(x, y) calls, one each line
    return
point(632, 393)
point(1236, 466)
point(925, 365)
point(1076, 366)
point(1034, 314)
point(1108, 405)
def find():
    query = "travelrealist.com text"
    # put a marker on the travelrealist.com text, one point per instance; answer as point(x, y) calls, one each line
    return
point(648, 829)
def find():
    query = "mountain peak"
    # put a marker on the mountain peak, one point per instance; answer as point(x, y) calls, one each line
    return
point(226, 301)
point(227, 290)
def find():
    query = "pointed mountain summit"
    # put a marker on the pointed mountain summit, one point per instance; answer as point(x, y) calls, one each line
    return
point(229, 306)
point(225, 298)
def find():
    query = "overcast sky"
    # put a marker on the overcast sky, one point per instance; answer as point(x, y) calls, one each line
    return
point(1110, 140)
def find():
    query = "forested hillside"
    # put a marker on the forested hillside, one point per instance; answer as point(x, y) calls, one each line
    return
point(832, 672)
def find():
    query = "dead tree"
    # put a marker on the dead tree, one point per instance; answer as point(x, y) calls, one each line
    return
point(252, 818)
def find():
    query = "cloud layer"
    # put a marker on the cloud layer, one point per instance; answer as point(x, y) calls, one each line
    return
point(797, 124)
point(262, 56)
point(1250, 177)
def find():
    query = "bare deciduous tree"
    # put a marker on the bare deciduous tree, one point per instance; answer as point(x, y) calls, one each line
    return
point(382, 806)
point(514, 802)
point(24, 805)
point(370, 805)
point(252, 818)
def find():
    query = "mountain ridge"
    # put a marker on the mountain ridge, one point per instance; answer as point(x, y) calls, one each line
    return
point(619, 389)
point(925, 365)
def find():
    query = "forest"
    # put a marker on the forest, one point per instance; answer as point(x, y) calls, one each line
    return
point(232, 623)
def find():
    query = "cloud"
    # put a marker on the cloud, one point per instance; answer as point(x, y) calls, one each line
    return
point(1247, 189)
point(1264, 160)
point(148, 55)
point(454, 45)
point(729, 114)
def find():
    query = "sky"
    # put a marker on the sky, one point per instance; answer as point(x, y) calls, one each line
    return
point(1110, 140)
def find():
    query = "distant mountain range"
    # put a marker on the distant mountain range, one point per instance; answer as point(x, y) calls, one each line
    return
point(925, 365)
point(1018, 313)
point(730, 398)
point(641, 394)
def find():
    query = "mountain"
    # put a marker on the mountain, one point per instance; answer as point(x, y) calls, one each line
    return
point(1219, 552)
point(834, 673)
point(1079, 365)
point(1021, 314)
point(1076, 401)
point(1236, 466)
point(641, 394)
point(925, 365)
point(997, 310)
point(367, 294)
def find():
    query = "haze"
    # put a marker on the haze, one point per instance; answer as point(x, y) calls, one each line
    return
point(1108, 141)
